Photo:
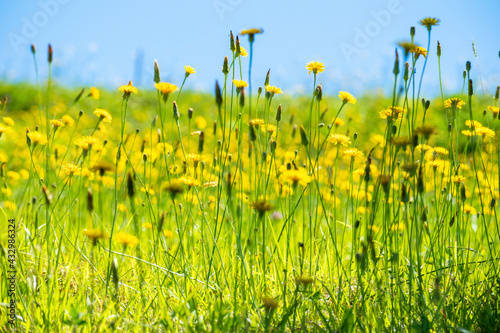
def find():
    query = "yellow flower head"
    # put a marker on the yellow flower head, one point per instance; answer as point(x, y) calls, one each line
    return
point(418, 51)
point(240, 84)
point(126, 239)
point(128, 89)
point(485, 131)
point(256, 122)
point(353, 153)
point(94, 93)
point(273, 90)
point(87, 142)
point(493, 109)
point(37, 138)
point(243, 52)
point(339, 122)
point(251, 31)
point(339, 139)
point(196, 158)
point(71, 169)
point(8, 121)
point(473, 124)
point(304, 280)
point(457, 102)
point(68, 120)
point(428, 22)
point(295, 177)
point(103, 115)
point(165, 88)
point(269, 303)
point(392, 112)
point(315, 67)
point(189, 70)
point(95, 234)
point(57, 123)
point(346, 97)
point(458, 179)
point(189, 181)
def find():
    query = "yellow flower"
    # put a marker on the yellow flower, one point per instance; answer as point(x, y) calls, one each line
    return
point(493, 109)
point(339, 139)
point(256, 122)
point(189, 181)
point(270, 128)
point(392, 112)
point(57, 123)
point(458, 179)
point(10, 205)
point(126, 239)
point(103, 115)
point(71, 169)
point(485, 131)
point(95, 234)
point(87, 142)
point(37, 138)
point(346, 97)
point(94, 93)
point(68, 120)
point(374, 228)
point(189, 70)
point(200, 122)
point(339, 122)
point(352, 153)
point(428, 22)
point(468, 133)
point(165, 88)
point(251, 31)
point(468, 209)
point(196, 158)
point(398, 227)
point(454, 101)
point(128, 89)
point(295, 177)
point(243, 52)
point(273, 90)
point(473, 124)
point(315, 67)
point(8, 121)
point(423, 148)
point(418, 51)
point(240, 84)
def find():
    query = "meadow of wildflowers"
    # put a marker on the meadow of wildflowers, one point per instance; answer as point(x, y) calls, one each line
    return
point(249, 209)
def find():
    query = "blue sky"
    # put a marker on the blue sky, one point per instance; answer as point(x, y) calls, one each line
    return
point(98, 42)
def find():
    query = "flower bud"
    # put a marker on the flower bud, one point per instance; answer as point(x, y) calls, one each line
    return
point(130, 185)
point(225, 66)
point(303, 136)
point(190, 113)
point(439, 49)
point(278, 114)
point(396, 64)
point(218, 95)
point(176, 111)
point(157, 78)
point(50, 55)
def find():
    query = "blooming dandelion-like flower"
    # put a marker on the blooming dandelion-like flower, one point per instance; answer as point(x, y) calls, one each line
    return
point(347, 97)
point(458, 179)
point(353, 153)
point(37, 138)
point(392, 112)
point(103, 115)
point(67, 120)
point(304, 280)
point(485, 132)
point(128, 89)
point(95, 234)
point(418, 51)
point(429, 22)
point(315, 67)
point(165, 88)
point(57, 123)
point(189, 70)
point(273, 90)
point(126, 239)
point(269, 303)
point(473, 124)
point(457, 102)
point(256, 122)
point(8, 121)
point(189, 181)
point(295, 177)
point(339, 139)
point(240, 84)
point(495, 110)
point(251, 33)
point(243, 52)
point(87, 142)
point(94, 93)
point(196, 158)
point(71, 169)
point(262, 206)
